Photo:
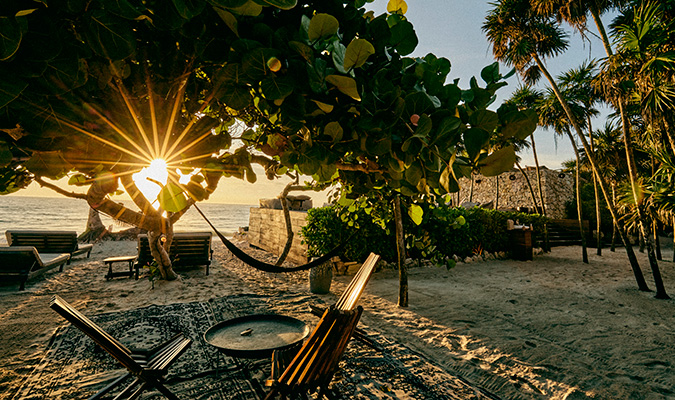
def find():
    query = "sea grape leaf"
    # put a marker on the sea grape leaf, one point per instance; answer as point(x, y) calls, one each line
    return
point(10, 89)
point(172, 198)
point(397, 6)
point(334, 130)
point(11, 34)
point(484, 119)
point(403, 38)
point(110, 36)
point(48, 164)
point(357, 53)
point(5, 154)
point(78, 180)
point(276, 88)
point(500, 161)
point(416, 213)
point(321, 26)
point(229, 19)
point(345, 85)
point(228, 3)
point(283, 4)
point(474, 140)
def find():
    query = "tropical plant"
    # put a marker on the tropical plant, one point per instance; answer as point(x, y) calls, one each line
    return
point(98, 90)
point(521, 37)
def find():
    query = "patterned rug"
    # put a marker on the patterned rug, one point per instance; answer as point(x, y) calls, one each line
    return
point(74, 367)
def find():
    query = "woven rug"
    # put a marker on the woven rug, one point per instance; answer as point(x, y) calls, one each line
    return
point(74, 367)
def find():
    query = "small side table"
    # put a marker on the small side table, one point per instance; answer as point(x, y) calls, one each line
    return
point(112, 260)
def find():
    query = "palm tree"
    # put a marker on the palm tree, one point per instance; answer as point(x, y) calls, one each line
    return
point(610, 155)
point(520, 38)
point(551, 115)
point(634, 66)
point(527, 97)
point(577, 83)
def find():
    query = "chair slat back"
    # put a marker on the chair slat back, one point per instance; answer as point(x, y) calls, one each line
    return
point(44, 241)
point(98, 335)
point(353, 293)
point(187, 249)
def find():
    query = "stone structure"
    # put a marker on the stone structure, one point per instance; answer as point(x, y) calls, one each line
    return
point(267, 230)
point(557, 187)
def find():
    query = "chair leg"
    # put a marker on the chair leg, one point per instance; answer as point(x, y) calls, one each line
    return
point(162, 389)
point(110, 386)
point(129, 389)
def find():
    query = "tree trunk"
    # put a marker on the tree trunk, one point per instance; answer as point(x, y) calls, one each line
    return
point(160, 244)
point(613, 248)
point(674, 238)
point(643, 223)
point(471, 190)
point(657, 242)
point(95, 229)
point(584, 250)
point(639, 277)
point(529, 185)
point(596, 193)
point(497, 192)
point(400, 250)
point(547, 247)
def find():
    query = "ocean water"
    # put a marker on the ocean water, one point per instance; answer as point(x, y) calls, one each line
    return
point(20, 212)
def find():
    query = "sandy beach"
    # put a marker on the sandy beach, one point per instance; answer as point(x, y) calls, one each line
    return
point(552, 328)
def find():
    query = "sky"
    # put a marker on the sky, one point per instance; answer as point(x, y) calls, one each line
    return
point(450, 29)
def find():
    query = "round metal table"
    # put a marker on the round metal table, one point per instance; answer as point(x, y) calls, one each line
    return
point(256, 336)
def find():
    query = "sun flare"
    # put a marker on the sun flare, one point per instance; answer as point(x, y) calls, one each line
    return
point(148, 179)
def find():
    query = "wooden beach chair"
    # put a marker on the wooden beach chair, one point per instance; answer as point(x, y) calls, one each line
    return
point(316, 362)
point(187, 249)
point(25, 262)
point(49, 241)
point(149, 369)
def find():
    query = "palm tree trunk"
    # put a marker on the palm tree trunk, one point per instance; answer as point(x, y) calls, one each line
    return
point(613, 247)
point(471, 190)
point(497, 192)
point(598, 217)
point(400, 249)
point(674, 238)
point(642, 220)
point(547, 247)
point(657, 242)
point(584, 250)
point(639, 277)
point(529, 185)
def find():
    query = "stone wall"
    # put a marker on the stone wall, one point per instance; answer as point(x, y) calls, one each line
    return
point(267, 230)
point(557, 187)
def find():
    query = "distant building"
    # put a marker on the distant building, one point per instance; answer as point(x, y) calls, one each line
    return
point(514, 193)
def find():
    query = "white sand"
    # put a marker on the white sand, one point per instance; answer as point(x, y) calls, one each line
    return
point(552, 328)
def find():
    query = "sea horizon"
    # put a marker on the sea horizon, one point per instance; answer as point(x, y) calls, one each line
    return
point(63, 213)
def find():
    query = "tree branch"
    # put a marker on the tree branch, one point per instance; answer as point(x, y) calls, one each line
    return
point(60, 191)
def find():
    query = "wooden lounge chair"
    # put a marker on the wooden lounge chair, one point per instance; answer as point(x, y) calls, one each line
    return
point(25, 262)
point(148, 368)
point(316, 362)
point(187, 249)
point(49, 242)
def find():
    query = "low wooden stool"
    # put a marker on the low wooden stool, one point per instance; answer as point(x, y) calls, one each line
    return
point(112, 260)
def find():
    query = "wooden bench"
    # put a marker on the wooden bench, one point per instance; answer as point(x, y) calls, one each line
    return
point(317, 360)
point(49, 242)
point(148, 368)
point(187, 249)
point(25, 262)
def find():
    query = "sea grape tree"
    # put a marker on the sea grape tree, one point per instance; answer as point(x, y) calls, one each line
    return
point(97, 90)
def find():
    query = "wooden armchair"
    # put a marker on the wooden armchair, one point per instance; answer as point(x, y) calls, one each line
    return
point(187, 249)
point(316, 362)
point(148, 368)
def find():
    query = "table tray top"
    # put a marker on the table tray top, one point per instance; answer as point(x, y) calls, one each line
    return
point(256, 336)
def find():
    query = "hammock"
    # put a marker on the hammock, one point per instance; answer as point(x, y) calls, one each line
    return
point(263, 266)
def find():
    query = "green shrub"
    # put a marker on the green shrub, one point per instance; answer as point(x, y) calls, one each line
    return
point(444, 232)
point(326, 230)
